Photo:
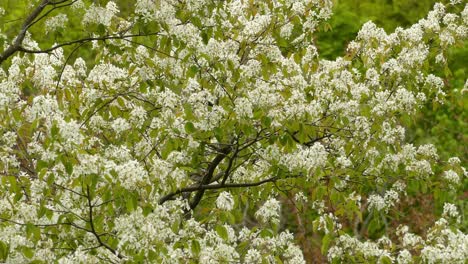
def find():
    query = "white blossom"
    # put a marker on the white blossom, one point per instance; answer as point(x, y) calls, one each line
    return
point(225, 201)
point(452, 177)
point(269, 211)
point(58, 21)
point(101, 15)
point(106, 154)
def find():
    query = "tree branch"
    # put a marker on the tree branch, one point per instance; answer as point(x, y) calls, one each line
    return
point(308, 143)
point(229, 167)
point(26, 24)
point(50, 10)
point(209, 175)
point(93, 230)
point(215, 187)
point(84, 40)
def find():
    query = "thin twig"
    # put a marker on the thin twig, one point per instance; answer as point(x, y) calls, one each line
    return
point(215, 187)
point(26, 24)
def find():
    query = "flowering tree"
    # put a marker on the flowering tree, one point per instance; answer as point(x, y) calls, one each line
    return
point(174, 130)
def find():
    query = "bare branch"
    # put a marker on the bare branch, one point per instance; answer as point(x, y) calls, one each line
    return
point(227, 172)
point(84, 40)
point(26, 24)
point(209, 174)
point(56, 6)
point(93, 230)
point(215, 187)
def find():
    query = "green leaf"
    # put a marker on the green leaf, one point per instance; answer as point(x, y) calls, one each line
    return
point(42, 211)
point(131, 203)
point(28, 252)
point(315, 225)
point(195, 247)
point(51, 179)
point(385, 260)
point(101, 29)
point(218, 133)
point(40, 165)
point(222, 232)
point(54, 130)
point(121, 102)
point(266, 121)
point(192, 71)
point(175, 226)
point(68, 165)
point(4, 251)
point(37, 261)
point(189, 127)
point(152, 256)
point(188, 111)
point(375, 227)
point(18, 196)
point(278, 260)
point(115, 111)
point(33, 231)
point(326, 240)
point(196, 21)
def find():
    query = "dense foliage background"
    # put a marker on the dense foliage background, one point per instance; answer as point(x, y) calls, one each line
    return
point(444, 125)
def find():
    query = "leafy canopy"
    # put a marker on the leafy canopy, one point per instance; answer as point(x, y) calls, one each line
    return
point(174, 131)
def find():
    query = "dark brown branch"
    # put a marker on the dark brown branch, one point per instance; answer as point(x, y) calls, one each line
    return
point(228, 169)
point(65, 64)
point(208, 70)
point(45, 225)
point(26, 24)
point(93, 230)
point(214, 187)
point(150, 48)
point(60, 2)
point(66, 189)
point(308, 143)
point(33, 18)
point(99, 109)
point(56, 6)
point(209, 175)
point(83, 40)
point(257, 138)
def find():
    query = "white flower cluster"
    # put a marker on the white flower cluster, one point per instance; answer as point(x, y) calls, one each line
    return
point(451, 211)
point(306, 158)
point(225, 201)
point(101, 15)
point(441, 245)
point(210, 246)
point(109, 160)
point(452, 177)
point(388, 200)
point(269, 212)
point(256, 25)
point(444, 245)
point(43, 107)
point(131, 174)
point(106, 74)
point(58, 21)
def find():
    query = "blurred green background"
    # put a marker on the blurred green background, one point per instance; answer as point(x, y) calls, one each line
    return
point(444, 125)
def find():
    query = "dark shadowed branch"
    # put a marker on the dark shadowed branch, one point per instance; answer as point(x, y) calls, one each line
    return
point(24, 28)
point(93, 229)
point(214, 187)
point(209, 175)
